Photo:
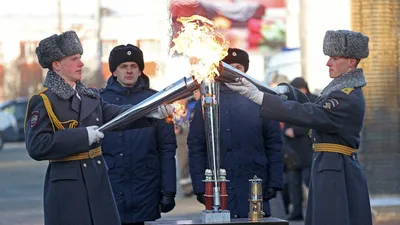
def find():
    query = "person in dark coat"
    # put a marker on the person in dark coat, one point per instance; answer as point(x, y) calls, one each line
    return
point(338, 191)
point(249, 146)
point(298, 153)
point(141, 162)
point(61, 126)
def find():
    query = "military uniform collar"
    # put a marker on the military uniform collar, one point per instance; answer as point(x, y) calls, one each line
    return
point(59, 87)
point(352, 79)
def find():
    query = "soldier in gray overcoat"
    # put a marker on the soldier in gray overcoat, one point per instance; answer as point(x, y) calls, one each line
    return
point(338, 191)
point(61, 126)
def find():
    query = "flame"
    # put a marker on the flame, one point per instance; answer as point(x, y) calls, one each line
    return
point(180, 112)
point(202, 45)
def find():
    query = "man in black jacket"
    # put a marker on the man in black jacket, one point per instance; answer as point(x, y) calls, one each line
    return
point(141, 162)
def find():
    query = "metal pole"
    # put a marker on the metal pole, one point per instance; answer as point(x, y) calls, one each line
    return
point(60, 30)
point(99, 53)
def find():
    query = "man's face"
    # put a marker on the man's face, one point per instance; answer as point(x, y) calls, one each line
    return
point(127, 73)
point(69, 68)
point(339, 65)
point(238, 66)
point(197, 94)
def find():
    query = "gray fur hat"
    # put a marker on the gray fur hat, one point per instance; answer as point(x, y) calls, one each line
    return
point(56, 47)
point(345, 43)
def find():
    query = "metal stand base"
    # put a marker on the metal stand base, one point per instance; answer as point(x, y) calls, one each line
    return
point(215, 216)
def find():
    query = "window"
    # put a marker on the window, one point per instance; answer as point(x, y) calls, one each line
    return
point(107, 46)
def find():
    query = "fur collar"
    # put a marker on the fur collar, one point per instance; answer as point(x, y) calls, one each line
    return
point(59, 87)
point(352, 79)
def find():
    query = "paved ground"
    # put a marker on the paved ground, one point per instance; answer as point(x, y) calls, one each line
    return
point(21, 188)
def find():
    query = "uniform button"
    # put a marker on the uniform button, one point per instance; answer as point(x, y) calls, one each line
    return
point(84, 165)
point(226, 112)
point(121, 154)
point(229, 130)
point(97, 119)
point(98, 162)
point(117, 99)
point(315, 140)
point(235, 216)
point(120, 193)
point(120, 135)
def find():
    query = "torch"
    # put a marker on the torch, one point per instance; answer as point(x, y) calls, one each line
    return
point(210, 104)
point(229, 74)
point(178, 90)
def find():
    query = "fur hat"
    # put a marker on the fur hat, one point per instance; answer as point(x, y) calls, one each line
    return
point(56, 47)
point(125, 53)
point(236, 55)
point(345, 43)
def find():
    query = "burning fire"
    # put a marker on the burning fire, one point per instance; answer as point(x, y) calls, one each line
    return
point(202, 45)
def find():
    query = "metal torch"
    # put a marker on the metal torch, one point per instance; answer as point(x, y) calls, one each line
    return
point(229, 73)
point(178, 90)
point(210, 104)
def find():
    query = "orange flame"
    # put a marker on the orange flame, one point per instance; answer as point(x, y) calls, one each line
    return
point(202, 45)
point(180, 112)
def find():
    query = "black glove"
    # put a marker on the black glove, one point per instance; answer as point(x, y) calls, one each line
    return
point(200, 198)
point(167, 202)
point(270, 193)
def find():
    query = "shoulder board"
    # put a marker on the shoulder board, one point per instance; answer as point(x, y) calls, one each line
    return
point(347, 90)
point(41, 91)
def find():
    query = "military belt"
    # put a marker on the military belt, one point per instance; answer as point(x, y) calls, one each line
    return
point(329, 147)
point(85, 155)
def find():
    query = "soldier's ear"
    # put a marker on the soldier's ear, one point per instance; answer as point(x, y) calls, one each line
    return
point(352, 62)
point(56, 65)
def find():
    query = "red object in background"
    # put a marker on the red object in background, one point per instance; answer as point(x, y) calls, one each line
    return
point(271, 3)
point(254, 37)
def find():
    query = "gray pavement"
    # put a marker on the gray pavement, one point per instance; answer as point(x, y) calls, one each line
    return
point(21, 190)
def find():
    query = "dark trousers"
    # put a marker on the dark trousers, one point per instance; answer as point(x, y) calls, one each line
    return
point(295, 181)
point(138, 223)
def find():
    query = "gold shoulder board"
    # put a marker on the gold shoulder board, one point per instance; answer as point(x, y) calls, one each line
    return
point(347, 90)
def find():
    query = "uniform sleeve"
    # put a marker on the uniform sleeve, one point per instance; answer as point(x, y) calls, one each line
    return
point(166, 146)
point(43, 143)
point(110, 111)
point(327, 116)
point(273, 149)
point(196, 142)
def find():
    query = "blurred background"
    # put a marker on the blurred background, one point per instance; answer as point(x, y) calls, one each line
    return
point(284, 41)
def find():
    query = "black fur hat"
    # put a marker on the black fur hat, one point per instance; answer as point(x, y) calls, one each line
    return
point(56, 47)
point(125, 53)
point(236, 55)
point(346, 43)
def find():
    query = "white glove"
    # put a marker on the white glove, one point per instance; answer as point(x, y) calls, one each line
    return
point(161, 112)
point(247, 89)
point(93, 134)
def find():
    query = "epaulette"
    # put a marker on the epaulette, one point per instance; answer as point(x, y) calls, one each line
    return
point(347, 90)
